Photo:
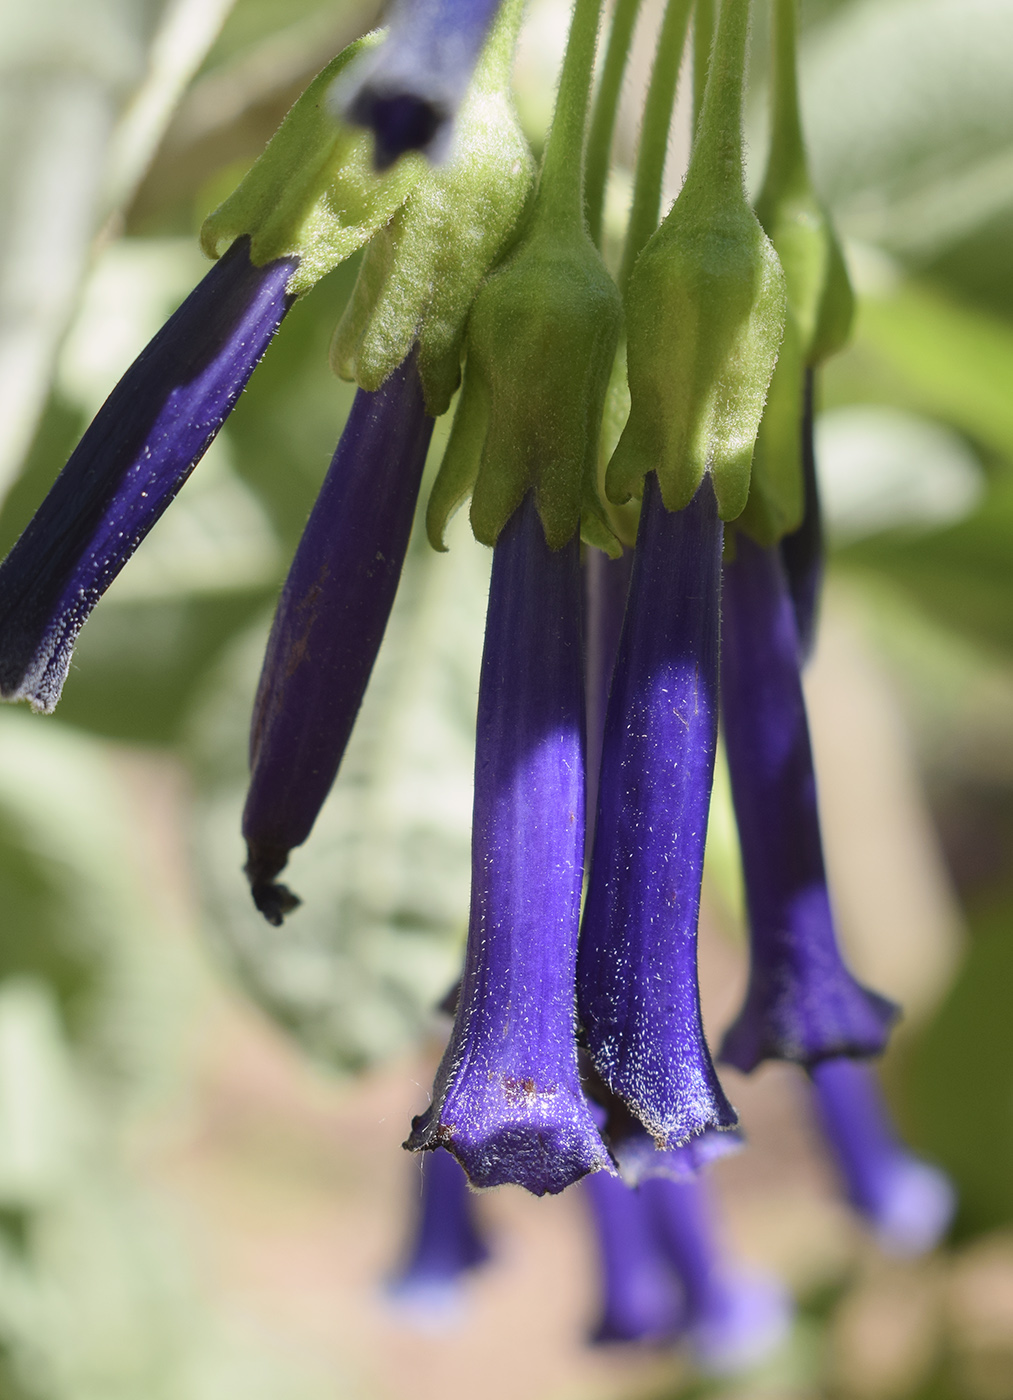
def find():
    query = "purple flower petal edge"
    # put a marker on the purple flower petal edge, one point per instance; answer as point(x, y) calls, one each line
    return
point(142, 445)
point(507, 1100)
point(329, 625)
point(802, 1002)
point(408, 91)
point(637, 993)
point(908, 1203)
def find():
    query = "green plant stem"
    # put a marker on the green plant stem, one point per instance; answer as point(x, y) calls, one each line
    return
point(603, 117)
point(787, 163)
point(561, 183)
point(703, 39)
point(717, 155)
point(654, 134)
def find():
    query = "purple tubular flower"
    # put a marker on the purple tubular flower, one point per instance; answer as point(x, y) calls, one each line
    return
point(407, 92)
point(802, 1003)
point(908, 1203)
point(329, 625)
point(446, 1243)
point(640, 1299)
point(802, 552)
point(637, 993)
point(734, 1317)
point(606, 586)
point(142, 445)
point(507, 1100)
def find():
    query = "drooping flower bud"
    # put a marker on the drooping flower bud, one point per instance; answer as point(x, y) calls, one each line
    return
point(313, 195)
point(640, 1300)
point(408, 89)
point(907, 1202)
point(329, 625)
point(420, 273)
point(705, 314)
point(446, 1243)
point(733, 1317)
point(541, 342)
point(637, 992)
point(802, 1003)
point(507, 1100)
point(132, 461)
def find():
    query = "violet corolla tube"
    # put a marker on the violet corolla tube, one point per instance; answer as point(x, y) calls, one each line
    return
point(802, 552)
point(407, 90)
point(507, 1100)
point(640, 1300)
point(734, 1316)
point(637, 991)
point(907, 1203)
point(802, 1003)
point(129, 466)
point(446, 1244)
point(329, 625)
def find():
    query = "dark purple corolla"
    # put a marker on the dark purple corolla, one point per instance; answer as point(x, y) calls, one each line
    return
point(802, 1003)
point(606, 587)
point(908, 1203)
point(142, 445)
point(733, 1316)
point(637, 993)
point(802, 551)
point(446, 1243)
point(408, 90)
point(640, 1300)
point(508, 1101)
point(329, 625)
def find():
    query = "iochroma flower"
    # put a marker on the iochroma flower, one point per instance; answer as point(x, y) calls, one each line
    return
point(446, 1243)
point(143, 444)
point(329, 625)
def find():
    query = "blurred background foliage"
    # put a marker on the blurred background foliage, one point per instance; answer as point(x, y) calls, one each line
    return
point(122, 122)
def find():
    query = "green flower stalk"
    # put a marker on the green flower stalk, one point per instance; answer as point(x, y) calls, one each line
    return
point(420, 273)
point(541, 340)
point(705, 308)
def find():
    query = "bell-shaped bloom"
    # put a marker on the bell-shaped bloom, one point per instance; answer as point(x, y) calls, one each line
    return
point(802, 1003)
point(640, 1299)
point(329, 625)
point(908, 1203)
point(637, 992)
point(408, 91)
point(507, 1100)
point(446, 1244)
point(802, 552)
point(733, 1316)
point(142, 445)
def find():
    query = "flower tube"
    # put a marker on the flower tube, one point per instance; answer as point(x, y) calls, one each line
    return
point(329, 625)
point(734, 1317)
point(907, 1202)
point(640, 1301)
point(143, 444)
point(802, 1003)
point(507, 1100)
point(407, 92)
point(802, 551)
point(637, 993)
point(446, 1244)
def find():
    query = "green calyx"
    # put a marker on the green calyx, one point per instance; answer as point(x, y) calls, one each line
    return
point(794, 217)
point(776, 493)
point(541, 342)
point(420, 273)
point(705, 313)
point(313, 194)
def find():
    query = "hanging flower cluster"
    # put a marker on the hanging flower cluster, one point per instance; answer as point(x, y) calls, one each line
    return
point(635, 603)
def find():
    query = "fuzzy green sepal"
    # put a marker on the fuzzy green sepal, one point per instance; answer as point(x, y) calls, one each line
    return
point(776, 493)
point(541, 343)
point(420, 273)
point(314, 193)
point(705, 315)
